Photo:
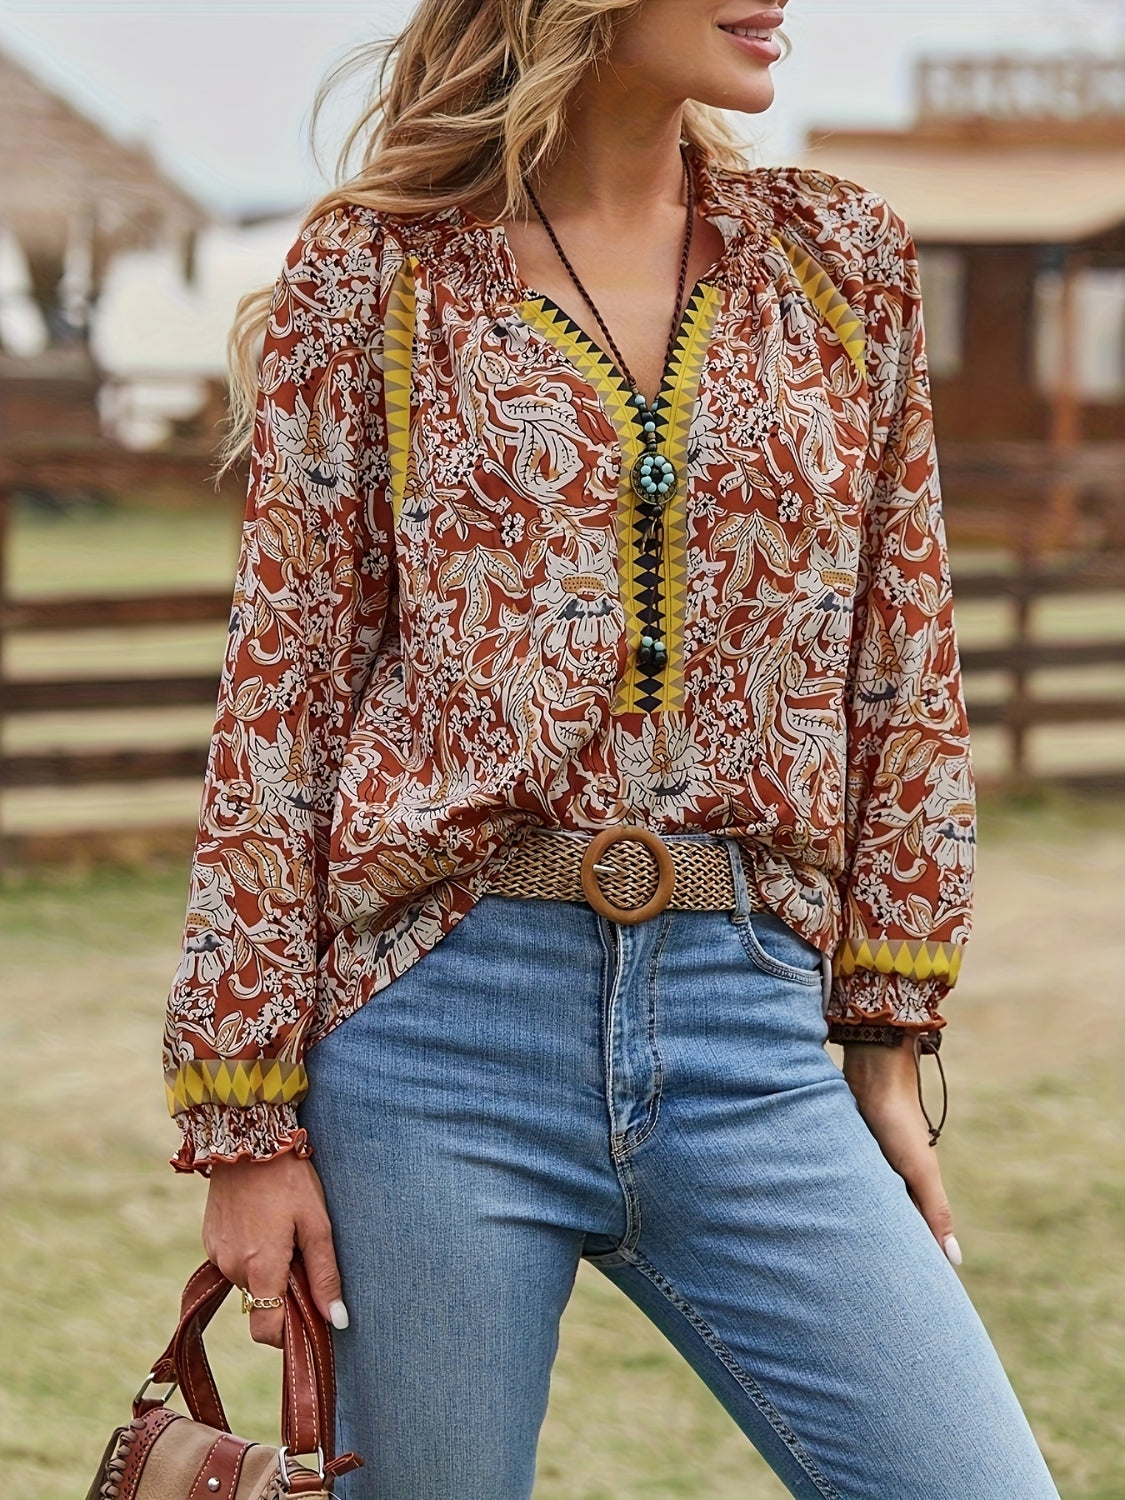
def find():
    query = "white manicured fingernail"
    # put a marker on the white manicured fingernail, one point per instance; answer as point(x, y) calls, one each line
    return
point(338, 1313)
point(952, 1249)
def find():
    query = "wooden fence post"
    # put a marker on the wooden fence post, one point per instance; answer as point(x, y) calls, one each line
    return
point(5, 521)
point(1018, 701)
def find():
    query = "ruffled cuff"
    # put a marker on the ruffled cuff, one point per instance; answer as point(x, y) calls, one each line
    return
point(866, 997)
point(221, 1132)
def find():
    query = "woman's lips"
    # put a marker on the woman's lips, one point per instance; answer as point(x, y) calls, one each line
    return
point(756, 41)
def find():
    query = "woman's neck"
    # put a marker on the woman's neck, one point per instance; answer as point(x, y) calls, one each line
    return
point(621, 163)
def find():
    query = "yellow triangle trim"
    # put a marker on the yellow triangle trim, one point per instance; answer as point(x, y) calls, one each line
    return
point(398, 376)
point(821, 291)
point(679, 392)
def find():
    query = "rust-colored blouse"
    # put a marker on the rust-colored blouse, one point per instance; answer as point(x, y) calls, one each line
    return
point(438, 604)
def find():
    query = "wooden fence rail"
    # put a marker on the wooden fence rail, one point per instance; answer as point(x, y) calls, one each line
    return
point(103, 612)
point(96, 767)
point(66, 695)
point(1017, 712)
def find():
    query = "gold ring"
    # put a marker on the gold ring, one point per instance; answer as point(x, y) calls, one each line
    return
point(250, 1304)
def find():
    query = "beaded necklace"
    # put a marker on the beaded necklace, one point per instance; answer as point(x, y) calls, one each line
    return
point(654, 478)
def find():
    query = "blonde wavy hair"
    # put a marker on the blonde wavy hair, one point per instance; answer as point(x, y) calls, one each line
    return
point(467, 102)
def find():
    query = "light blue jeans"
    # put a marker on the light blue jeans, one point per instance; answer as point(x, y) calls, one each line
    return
point(546, 1085)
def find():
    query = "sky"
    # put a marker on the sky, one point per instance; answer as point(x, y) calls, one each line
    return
point(221, 89)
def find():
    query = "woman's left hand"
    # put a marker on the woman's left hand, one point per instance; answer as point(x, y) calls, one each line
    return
point(884, 1081)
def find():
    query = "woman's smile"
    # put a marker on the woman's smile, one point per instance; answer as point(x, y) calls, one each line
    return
point(754, 35)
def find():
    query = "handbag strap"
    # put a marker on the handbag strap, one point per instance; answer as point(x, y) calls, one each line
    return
point(184, 1362)
point(309, 1375)
point(309, 1396)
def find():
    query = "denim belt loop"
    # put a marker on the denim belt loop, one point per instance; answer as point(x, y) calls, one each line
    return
point(742, 903)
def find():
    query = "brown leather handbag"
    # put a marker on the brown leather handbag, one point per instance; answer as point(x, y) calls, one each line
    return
point(163, 1455)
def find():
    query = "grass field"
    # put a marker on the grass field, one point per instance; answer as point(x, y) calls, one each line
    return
point(100, 1234)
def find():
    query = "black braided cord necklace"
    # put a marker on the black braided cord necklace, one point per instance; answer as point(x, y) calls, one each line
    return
point(654, 478)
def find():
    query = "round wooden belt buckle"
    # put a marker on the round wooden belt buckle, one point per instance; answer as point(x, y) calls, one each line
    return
point(666, 872)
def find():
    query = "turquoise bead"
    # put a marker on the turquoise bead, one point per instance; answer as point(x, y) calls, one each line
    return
point(653, 477)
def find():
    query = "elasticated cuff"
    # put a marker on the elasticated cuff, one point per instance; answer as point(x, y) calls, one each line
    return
point(865, 997)
point(221, 1133)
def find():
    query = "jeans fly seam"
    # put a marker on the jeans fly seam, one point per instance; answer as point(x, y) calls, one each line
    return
point(726, 1356)
point(611, 945)
point(609, 1028)
point(631, 1142)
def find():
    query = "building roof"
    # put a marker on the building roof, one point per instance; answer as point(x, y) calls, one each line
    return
point(60, 172)
point(961, 192)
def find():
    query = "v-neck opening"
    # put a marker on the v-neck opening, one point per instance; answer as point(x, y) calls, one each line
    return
point(667, 379)
point(641, 691)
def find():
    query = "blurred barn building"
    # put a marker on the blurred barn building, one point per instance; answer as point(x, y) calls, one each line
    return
point(72, 198)
point(1012, 178)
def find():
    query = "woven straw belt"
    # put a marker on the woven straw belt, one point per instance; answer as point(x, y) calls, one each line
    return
point(627, 874)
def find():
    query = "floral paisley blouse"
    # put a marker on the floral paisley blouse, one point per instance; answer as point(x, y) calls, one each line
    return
point(433, 638)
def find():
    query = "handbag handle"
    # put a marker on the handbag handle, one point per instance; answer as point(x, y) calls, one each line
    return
point(309, 1375)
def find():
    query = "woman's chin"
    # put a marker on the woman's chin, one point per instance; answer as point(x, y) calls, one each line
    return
point(743, 100)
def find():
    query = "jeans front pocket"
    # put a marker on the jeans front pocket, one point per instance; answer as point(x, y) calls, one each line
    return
point(773, 947)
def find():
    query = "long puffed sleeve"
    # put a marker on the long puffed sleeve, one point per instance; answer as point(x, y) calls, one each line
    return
point(906, 891)
point(310, 606)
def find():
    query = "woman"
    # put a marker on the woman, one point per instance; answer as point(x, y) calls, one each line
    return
point(592, 492)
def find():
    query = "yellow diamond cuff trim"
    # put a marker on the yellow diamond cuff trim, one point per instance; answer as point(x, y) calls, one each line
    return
point(227, 1082)
point(913, 960)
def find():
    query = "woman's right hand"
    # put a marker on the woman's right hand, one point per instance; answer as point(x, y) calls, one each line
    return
point(257, 1213)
